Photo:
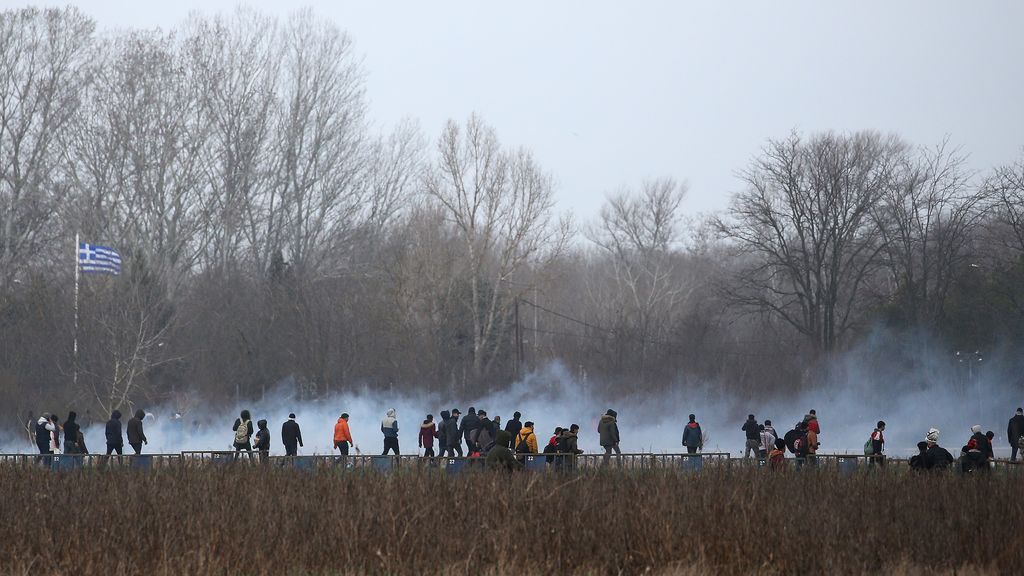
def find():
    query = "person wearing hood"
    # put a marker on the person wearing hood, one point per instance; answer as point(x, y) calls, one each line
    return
point(427, 431)
point(243, 431)
point(486, 434)
point(115, 437)
point(608, 434)
point(917, 462)
point(513, 427)
point(136, 435)
point(568, 447)
point(442, 445)
point(452, 434)
point(975, 452)
point(261, 442)
point(470, 428)
point(71, 432)
point(936, 457)
point(500, 457)
point(389, 428)
point(342, 435)
point(291, 436)
point(1014, 433)
point(526, 442)
point(43, 429)
point(753, 435)
point(551, 447)
point(693, 438)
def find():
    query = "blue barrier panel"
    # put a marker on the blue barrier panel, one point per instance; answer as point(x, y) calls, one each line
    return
point(453, 466)
point(848, 465)
point(142, 462)
point(382, 463)
point(536, 463)
point(303, 462)
point(692, 464)
point(68, 461)
point(222, 459)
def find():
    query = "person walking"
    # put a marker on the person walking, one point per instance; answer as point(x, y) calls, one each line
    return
point(342, 435)
point(526, 442)
point(753, 435)
point(470, 428)
point(513, 427)
point(608, 435)
point(442, 444)
point(389, 428)
point(486, 434)
point(936, 457)
point(71, 431)
point(453, 435)
point(878, 443)
point(115, 437)
point(262, 441)
point(136, 435)
point(243, 432)
point(427, 431)
point(1014, 432)
point(291, 436)
point(693, 438)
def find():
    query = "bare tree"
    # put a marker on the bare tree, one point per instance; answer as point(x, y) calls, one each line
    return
point(502, 207)
point(1006, 186)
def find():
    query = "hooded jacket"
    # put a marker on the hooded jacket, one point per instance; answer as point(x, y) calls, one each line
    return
point(43, 429)
point(486, 432)
point(113, 432)
point(71, 429)
point(389, 425)
point(135, 432)
point(452, 434)
point(500, 457)
point(527, 435)
point(1015, 429)
point(470, 423)
point(569, 442)
point(442, 443)
point(427, 430)
point(608, 430)
point(751, 430)
point(342, 433)
point(692, 435)
point(513, 427)
point(291, 435)
point(262, 437)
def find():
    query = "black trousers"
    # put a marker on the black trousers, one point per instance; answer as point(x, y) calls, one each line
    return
point(291, 449)
point(111, 449)
point(137, 446)
point(390, 444)
point(428, 452)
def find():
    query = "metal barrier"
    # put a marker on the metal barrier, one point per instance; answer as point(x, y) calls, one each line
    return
point(71, 462)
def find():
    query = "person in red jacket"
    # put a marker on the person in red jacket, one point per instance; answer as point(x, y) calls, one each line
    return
point(812, 422)
point(427, 430)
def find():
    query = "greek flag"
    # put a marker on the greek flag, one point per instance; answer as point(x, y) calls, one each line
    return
point(93, 259)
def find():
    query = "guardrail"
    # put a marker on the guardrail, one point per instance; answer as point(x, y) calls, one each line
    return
point(91, 461)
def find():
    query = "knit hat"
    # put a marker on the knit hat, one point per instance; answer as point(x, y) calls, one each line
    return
point(933, 435)
point(976, 428)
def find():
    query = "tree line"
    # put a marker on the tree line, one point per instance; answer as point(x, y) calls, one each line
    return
point(273, 236)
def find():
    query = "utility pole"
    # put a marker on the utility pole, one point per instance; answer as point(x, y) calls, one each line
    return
point(519, 342)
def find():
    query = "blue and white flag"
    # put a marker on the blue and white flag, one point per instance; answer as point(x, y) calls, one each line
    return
point(93, 259)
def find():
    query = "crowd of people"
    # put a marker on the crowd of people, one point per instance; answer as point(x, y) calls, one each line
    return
point(484, 437)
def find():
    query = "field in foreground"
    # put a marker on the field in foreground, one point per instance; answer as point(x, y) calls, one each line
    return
point(255, 521)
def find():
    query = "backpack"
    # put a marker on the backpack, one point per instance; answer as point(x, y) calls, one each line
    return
point(868, 448)
point(790, 440)
point(483, 438)
point(523, 447)
point(1020, 442)
point(242, 433)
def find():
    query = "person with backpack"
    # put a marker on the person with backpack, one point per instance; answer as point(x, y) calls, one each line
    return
point(262, 441)
point(500, 456)
point(608, 435)
point(1014, 433)
point(753, 436)
point(552, 446)
point(513, 427)
point(453, 434)
point(486, 434)
point(71, 431)
point(693, 438)
point(917, 461)
point(427, 431)
point(115, 438)
point(796, 441)
point(526, 442)
point(291, 436)
point(876, 444)
point(243, 430)
point(470, 428)
point(777, 455)
point(136, 435)
point(975, 453)
point(568, 447)
point(342, 435)
point(936, 457)
point(389, 428)
point(812, 422)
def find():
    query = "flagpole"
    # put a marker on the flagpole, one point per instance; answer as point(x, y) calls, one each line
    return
point(77, 272)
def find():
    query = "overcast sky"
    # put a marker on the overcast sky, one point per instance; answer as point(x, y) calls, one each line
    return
point(609, 93)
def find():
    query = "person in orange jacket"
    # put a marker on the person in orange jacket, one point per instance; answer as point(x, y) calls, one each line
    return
point(342, 435)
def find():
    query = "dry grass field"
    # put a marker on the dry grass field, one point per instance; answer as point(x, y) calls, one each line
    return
point(252, 520)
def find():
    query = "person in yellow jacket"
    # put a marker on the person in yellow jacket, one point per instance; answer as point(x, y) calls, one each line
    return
point(526, 441)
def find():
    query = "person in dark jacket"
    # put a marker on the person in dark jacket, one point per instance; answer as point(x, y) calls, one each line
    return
point(291, 436)
point(990, 447)
point(115, 437)
point(243, 432)
point(43, 429)
point(136, 435)
point(500, 457)
point(262, 441)
point(71, 431)
point(753, 435)
point(470, 427)
point(1014, 431)
point(936, 457)
point(427, 431)
point(486, 433)
point(608, 434)
point(917, 461)
point(452, 434)
point(442, 444)
point(552, 446)
point(878, 443)
point(693, 438)
point(513, 427)
point(389, 428)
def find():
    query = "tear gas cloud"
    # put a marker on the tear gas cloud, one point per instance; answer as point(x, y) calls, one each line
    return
point(862, 387)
